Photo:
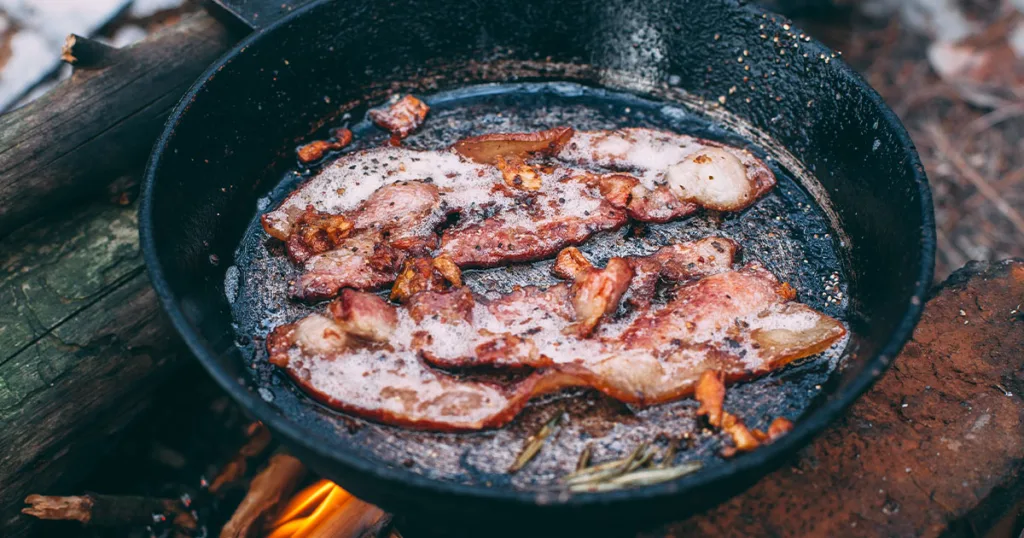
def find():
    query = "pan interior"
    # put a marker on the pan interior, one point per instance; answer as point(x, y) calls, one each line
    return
point(785, 230)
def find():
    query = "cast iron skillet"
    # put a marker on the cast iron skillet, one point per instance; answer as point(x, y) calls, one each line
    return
point(233, 135)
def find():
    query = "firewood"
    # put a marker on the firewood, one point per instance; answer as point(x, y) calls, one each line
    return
point(85, 53)
point(355, 519)
point(109, 510)
point(266, 492)
point(84, 345)
point(234, 470)
point(114, 108)
point(324, 510)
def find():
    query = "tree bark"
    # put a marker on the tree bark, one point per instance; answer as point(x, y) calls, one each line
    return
point(100, 123)
point(82, 344)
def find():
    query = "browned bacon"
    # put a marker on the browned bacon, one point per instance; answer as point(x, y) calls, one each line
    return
point(740, 323)
point(489, 148)
point(353, 374)
point(710, 393)
point(678, 263)
point(596, 293)
point(315, 233)
point(315, 150)
point(549, 223)
point(363, 261)
point(401, 118)
point(423, 274)
point(517, 174)
point(675, 172)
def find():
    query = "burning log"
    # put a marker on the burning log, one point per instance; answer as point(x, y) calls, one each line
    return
point(272, 485)
point(324, 510)
point(111, 510)
point(234, 470)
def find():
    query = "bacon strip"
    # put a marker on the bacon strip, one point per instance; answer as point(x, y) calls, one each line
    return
point(675, 173)
point(512, 323)
point(490, 148)
point(364, 261)
point(740, 323)
point(401, 118)
point(546, 223)
point(324, 359)
point(658, 177)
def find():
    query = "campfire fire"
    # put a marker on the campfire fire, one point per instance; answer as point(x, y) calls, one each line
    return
point(324, 510)
point(271, 507)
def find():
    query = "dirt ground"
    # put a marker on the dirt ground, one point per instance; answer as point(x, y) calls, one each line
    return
point(959, 88)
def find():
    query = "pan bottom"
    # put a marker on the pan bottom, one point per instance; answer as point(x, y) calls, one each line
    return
point(785, 230)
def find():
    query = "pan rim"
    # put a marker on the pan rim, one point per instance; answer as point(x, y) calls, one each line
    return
point(309, 441)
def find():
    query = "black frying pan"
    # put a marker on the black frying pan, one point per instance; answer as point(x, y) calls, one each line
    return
point(853, 200)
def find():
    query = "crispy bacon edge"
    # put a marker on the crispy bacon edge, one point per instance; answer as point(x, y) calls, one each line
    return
point(488, 148)
point(401, 118)
point(315, 150)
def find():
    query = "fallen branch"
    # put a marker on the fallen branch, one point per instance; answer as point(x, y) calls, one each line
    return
point(109, 510)
point(268, 489)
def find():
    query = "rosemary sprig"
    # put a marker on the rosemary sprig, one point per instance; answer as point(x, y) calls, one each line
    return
point(644, 477)
point(643, 460)
point(535, 443)
point(584, 460)
point(605, 471)
point(669, 456)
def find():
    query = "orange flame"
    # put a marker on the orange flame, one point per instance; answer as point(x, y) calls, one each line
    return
point(324, 510)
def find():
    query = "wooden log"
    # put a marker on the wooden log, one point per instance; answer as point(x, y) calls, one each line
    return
point(101, 122)
point(109, 510)
point(85, 53)
point(272, 487)
point(936, 448)
point(82, 344)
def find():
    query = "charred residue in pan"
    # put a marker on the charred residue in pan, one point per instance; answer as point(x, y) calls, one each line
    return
point(785, 230)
